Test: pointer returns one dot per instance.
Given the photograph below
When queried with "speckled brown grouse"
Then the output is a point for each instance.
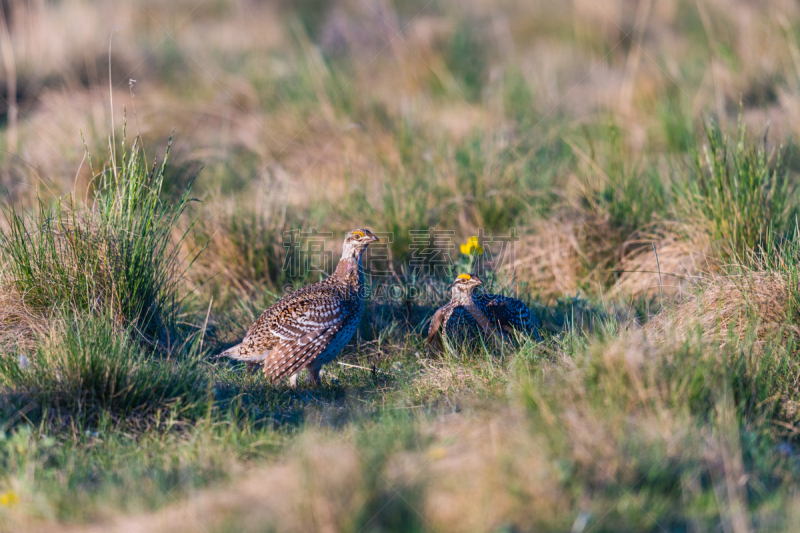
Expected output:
(309, 327)
(468, 317)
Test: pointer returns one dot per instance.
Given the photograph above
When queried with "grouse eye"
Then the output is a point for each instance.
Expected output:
(359, 234)
(463, 277)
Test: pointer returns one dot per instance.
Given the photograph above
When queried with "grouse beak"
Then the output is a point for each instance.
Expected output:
(374, 238)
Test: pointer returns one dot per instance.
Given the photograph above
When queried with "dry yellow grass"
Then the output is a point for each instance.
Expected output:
(758, 303)
(683, 258)
(20, 326)
(552, 257)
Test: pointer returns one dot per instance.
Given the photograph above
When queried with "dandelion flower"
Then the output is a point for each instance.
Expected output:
(471, 246)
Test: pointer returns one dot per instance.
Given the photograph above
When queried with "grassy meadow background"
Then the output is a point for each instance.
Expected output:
(153, 154)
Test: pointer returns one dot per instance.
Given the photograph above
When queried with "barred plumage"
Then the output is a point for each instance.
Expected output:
(309, 327)
(510, 314)
(469, 317)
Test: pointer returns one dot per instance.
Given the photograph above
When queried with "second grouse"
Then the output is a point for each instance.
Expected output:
(469, 316)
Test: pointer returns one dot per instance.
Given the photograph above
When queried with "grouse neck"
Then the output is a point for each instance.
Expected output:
(463, 298)
(350, 270)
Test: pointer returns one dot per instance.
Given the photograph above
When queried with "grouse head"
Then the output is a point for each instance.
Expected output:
(465, 284)
(356, 241)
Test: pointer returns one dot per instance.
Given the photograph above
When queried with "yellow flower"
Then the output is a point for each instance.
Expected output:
(471, 246)
(9, 498)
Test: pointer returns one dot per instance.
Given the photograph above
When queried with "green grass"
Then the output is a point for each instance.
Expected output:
(696, 393)
(116, 255)
(581, 130)
(385, 506)
(628, 191)
(742, 191)
(100, 404)
(92, 371)
(466, 57)
(104, 466)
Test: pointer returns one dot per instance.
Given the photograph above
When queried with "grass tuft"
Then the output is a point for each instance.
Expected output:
(740, 192)
(91, 370)
(116, 257)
